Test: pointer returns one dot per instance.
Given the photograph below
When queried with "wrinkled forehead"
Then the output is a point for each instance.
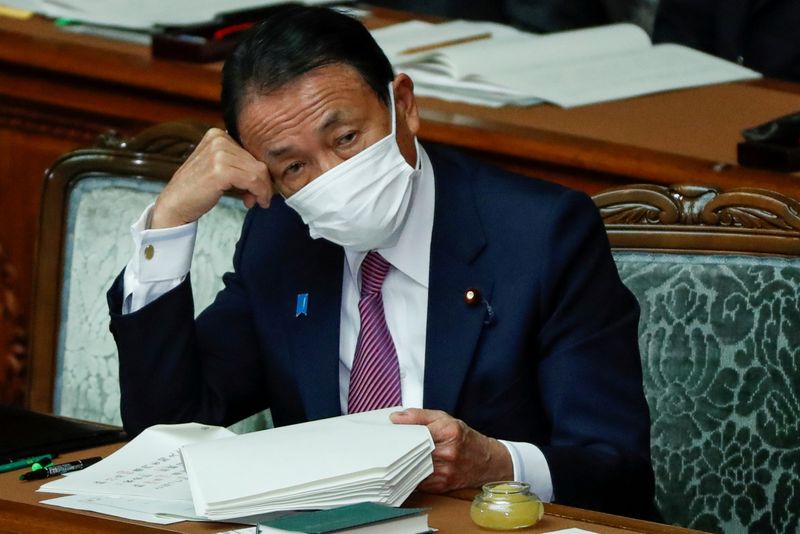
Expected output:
(313, 80)
(307, 105)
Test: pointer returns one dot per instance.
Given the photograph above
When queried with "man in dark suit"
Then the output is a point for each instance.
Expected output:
(486, 303)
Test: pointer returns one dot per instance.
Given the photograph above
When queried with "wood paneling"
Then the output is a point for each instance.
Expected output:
(31, 137)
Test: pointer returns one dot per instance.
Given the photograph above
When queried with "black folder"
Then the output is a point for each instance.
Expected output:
(24, 433)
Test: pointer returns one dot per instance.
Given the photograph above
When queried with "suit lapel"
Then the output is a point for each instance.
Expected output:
(315, 271)
(454, 327)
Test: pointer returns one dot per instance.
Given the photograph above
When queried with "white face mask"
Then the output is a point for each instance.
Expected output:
(362, 203)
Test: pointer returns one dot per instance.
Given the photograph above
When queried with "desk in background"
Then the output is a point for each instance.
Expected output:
(59, 91)
(20, 512)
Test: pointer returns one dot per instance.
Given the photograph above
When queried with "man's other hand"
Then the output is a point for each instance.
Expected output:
(463, 457)
(216, 165)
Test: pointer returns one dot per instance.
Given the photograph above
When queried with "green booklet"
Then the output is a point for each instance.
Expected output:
(362, 518)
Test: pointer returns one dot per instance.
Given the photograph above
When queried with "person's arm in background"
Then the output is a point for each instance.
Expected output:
(760, 35)
(687, 22)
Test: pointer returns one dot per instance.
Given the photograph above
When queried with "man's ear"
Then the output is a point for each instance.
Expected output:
(405, 102)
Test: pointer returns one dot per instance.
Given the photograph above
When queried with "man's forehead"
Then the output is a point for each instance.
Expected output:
(315, 82)
(330, 118)
(335, 86)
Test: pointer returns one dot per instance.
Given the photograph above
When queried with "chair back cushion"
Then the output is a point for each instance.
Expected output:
(720, 346)
(97, 246)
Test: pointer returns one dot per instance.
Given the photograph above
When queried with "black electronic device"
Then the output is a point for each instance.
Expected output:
(26, 433)
(773, 145)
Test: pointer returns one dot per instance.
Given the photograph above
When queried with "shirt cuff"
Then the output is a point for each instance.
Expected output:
(161, 260)
(162, 254)
(530, 466)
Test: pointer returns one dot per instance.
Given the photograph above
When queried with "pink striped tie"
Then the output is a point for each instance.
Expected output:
(375, 376)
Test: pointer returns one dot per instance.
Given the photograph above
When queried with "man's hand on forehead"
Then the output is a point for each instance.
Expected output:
(217, 165)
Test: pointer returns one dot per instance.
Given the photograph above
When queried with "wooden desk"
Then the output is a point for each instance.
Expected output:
(20, 512)
(59, 91)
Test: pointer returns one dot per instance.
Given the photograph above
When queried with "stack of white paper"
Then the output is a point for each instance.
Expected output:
(492, 65)
(320, 464)
(172, 473)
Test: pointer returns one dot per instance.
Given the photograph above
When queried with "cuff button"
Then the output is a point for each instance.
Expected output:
(149, 252)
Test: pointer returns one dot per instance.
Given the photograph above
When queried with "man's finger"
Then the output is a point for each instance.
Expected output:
(442, 426)
(249, 200)
(254, 179)
(416, 416)
(444, 429)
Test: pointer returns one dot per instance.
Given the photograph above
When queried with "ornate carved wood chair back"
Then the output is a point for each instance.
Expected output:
(91, 197)
(717, 276)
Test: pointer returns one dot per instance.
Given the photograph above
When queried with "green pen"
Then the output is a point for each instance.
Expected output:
(25, 462)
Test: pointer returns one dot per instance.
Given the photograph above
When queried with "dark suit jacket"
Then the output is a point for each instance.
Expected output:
(557, 366)
(763, 33)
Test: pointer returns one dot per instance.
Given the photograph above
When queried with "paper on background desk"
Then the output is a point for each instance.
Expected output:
(142, 14)
(394, 40)
(569, 68)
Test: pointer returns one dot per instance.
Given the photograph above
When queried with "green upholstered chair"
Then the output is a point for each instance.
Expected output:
(717, 275)
(91, 198)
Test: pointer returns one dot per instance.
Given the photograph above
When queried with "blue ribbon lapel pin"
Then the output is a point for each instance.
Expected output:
(301, 308)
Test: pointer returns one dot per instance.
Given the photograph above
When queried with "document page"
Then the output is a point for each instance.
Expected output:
(603, 78)
(149, 510)
(520, 52)
(142, 14)
(407, 41)
(149, 466)
(396, 38)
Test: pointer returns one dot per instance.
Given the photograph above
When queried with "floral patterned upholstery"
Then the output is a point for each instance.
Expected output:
(97, 247)
(720, 346)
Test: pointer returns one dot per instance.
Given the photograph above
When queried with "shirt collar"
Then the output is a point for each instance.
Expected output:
(412, 253)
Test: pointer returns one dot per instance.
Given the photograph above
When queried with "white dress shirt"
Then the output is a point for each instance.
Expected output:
(404, 292)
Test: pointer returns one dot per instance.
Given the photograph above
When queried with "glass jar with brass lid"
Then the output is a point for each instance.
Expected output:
(506, 506)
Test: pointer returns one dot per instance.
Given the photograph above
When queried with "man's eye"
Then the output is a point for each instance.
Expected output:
(294, 168)
(346, 139)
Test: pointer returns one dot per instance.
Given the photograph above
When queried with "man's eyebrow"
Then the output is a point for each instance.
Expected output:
(278, 152)
(332, 119)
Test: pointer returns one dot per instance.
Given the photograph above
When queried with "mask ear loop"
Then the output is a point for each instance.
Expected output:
(392, 111)
(394, 126)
